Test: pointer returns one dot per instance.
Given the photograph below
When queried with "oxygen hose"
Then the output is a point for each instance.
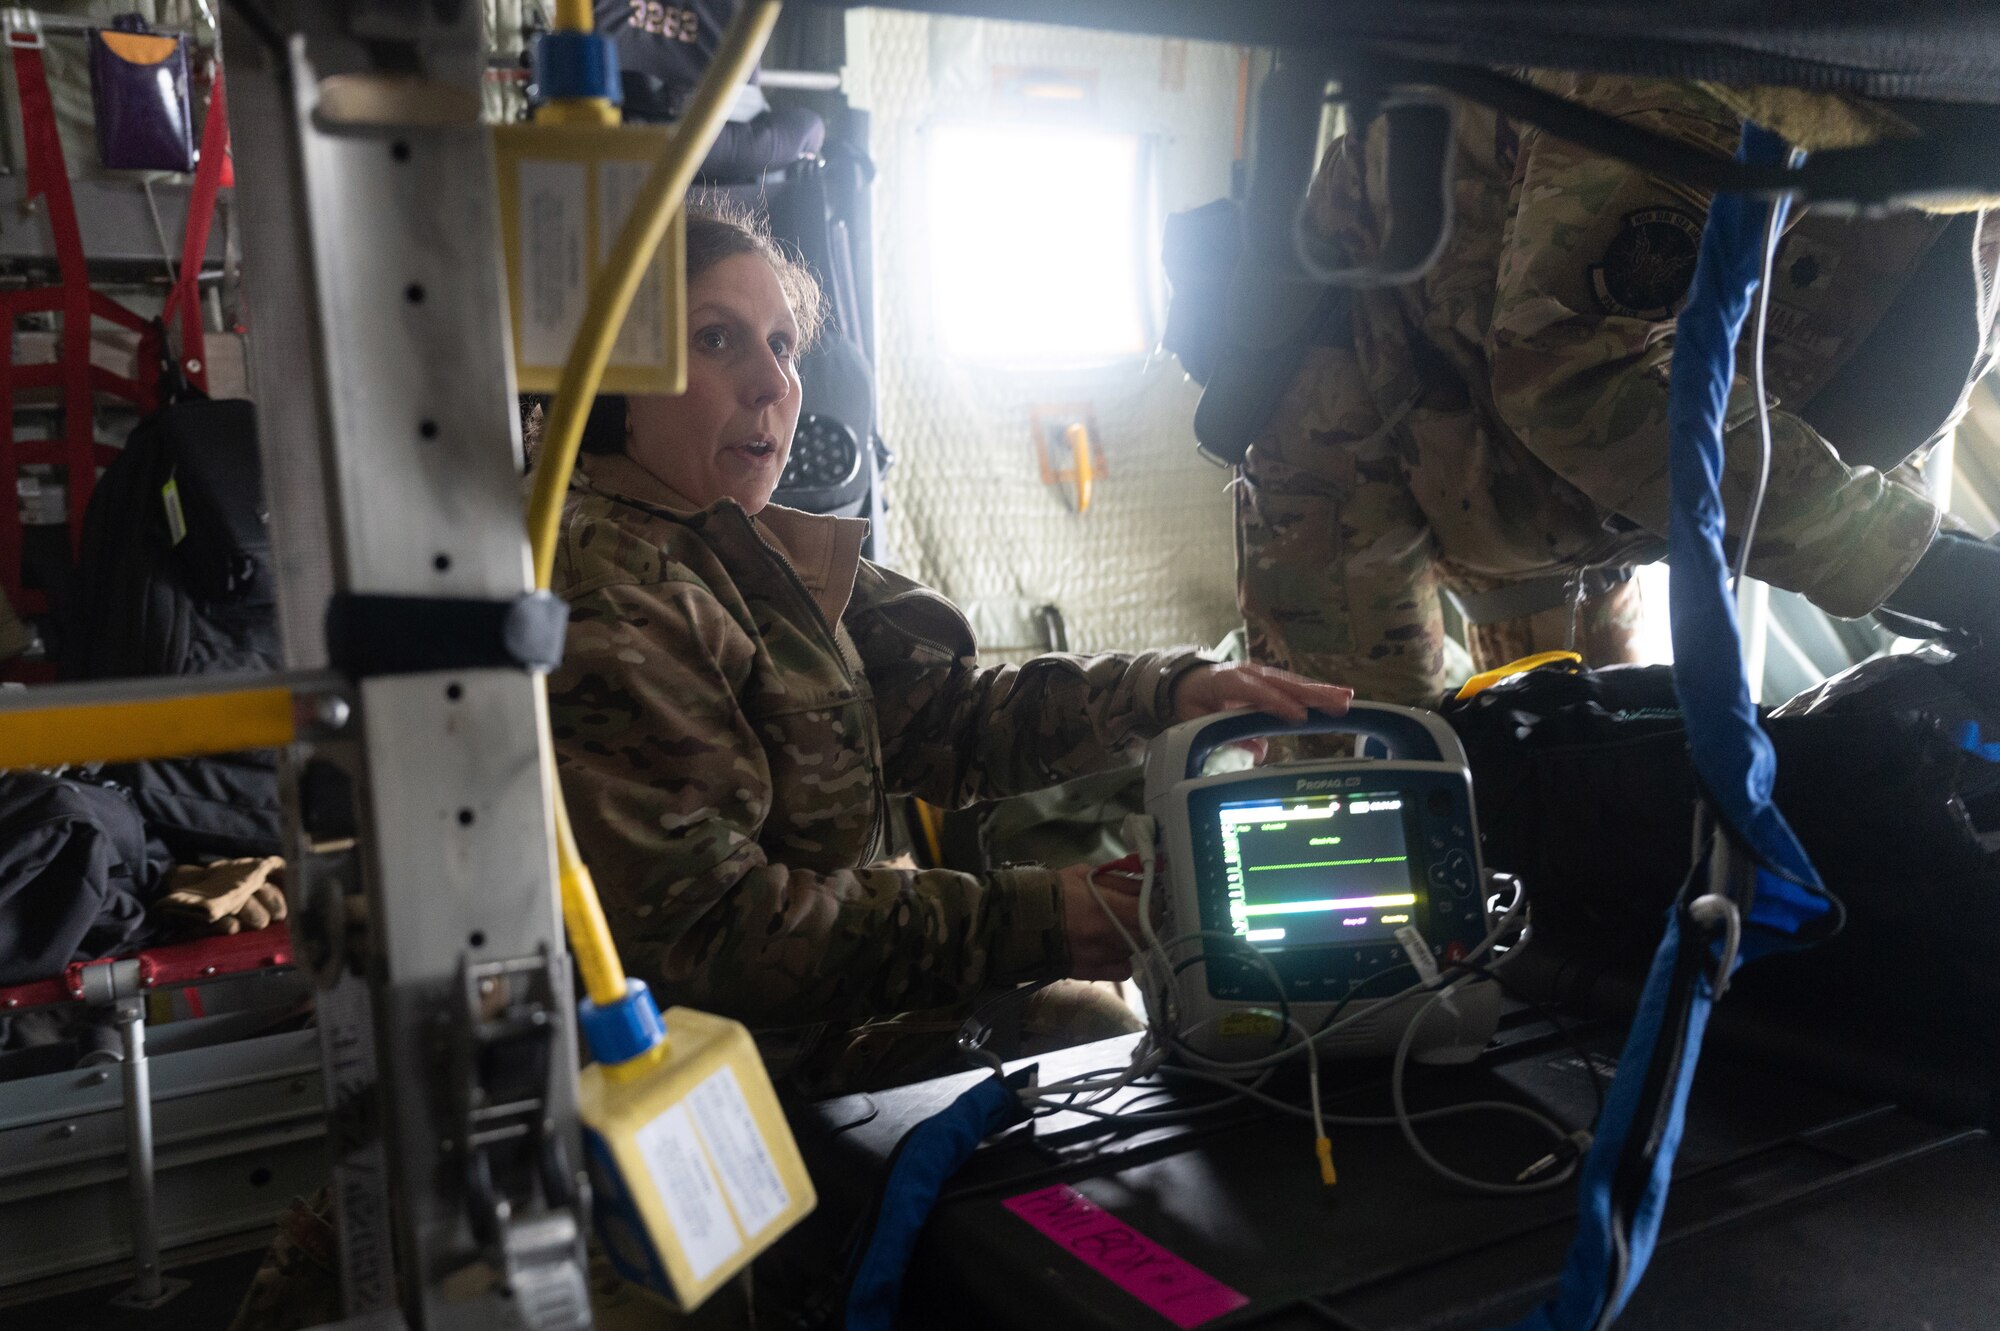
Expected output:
(610, 298)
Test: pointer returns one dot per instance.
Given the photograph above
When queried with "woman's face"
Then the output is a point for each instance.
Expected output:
(730, 433)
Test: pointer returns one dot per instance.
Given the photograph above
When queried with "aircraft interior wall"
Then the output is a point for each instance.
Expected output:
(1151, 561)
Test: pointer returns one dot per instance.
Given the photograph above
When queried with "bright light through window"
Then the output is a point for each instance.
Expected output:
(1653, 644)
(1035, 244)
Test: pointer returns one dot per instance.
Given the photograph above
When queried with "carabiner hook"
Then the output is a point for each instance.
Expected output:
(1708, 911)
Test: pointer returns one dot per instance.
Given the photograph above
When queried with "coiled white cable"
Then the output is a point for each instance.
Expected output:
(1153, 967)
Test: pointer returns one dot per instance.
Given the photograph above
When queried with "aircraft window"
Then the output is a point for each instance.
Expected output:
(1036, 244)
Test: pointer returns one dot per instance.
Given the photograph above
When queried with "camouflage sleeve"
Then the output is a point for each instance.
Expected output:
(1914, 473)
(954, 731)
(668, 788)
(1598, 256)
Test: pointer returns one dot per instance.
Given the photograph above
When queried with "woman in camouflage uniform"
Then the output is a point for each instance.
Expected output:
(742, 691)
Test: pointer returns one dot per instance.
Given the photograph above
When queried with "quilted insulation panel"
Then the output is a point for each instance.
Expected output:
(1151, 562)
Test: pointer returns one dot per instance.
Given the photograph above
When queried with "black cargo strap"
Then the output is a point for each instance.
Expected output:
(405, 635)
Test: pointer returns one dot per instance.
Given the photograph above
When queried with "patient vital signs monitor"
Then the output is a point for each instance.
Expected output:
(1337, 873)
(1282, 857)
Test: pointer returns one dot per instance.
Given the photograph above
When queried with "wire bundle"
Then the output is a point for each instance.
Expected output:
(1163, 1054)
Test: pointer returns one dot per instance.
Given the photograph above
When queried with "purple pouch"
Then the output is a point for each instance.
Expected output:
(139, 84)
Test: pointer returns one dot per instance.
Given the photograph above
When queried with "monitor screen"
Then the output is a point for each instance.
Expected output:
(1318, 869)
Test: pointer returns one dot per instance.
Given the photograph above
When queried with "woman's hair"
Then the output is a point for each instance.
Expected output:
(718, 228)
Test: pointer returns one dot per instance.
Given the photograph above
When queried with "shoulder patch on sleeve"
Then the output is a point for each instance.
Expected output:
(1649, 264)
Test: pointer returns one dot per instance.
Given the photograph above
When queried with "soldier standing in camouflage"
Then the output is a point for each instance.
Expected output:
(1498, 427)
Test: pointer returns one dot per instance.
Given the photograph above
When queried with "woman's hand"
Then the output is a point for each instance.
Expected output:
(1097, 951)
(1222, 688)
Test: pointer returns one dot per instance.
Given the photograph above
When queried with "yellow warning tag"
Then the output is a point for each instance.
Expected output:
(692, 1161)
(565, 192)
(170, 496)
(1251, 1023)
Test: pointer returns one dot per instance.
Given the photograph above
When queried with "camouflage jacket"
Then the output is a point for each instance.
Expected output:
(737, 699)
(1525, 376)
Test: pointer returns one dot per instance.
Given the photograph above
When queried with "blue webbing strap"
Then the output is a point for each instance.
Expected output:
(926, 1158)
(1732, 754)
(1970, 741)
(1624, 1181)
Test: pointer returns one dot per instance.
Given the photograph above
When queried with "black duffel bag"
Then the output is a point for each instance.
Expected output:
(1889, 773)
(175, 577)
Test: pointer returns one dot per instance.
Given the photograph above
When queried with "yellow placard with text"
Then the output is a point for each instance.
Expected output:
(565, 191)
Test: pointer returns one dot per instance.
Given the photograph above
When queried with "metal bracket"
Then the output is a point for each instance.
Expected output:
(523, 1192)
(1286, 261)
(104, 983)
(23, 29)
(1421, 157)
(1724, 905)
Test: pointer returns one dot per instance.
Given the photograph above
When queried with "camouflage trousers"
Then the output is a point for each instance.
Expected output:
(1341, 575)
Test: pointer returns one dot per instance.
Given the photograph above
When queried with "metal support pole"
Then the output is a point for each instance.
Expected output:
(120, 986)
(386, 417)
(146, 1288)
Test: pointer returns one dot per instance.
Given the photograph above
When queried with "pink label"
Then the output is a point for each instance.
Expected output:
(1183, 1294)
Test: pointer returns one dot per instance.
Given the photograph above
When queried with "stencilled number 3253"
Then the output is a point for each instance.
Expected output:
(669, 21)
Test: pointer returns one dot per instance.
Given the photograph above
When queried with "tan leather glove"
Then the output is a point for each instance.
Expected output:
(226, 897)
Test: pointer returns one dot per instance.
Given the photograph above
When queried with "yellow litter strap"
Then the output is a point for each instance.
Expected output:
(659, 198)
(1486, 679)
(54, 732)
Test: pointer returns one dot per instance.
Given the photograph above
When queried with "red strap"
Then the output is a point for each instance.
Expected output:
(47, 171)
(10, 470)
(209, 177)
(48, 177)
(77, 451)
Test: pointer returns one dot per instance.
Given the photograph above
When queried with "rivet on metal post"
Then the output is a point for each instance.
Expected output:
(320, 714)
